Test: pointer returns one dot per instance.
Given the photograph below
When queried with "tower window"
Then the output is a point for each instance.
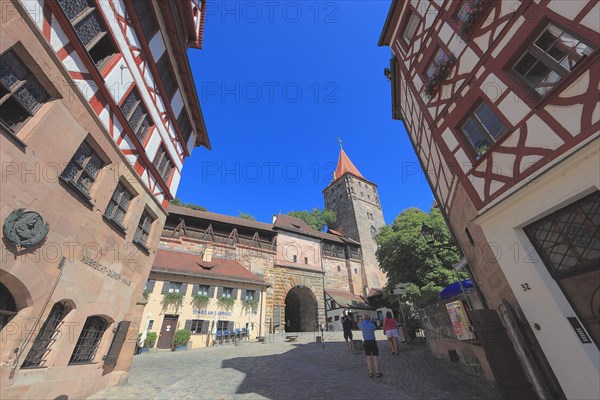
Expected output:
(355, 271)
(295, 258)
(339, 269)
(305, 260)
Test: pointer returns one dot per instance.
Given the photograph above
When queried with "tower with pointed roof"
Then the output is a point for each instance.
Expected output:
(356, 203)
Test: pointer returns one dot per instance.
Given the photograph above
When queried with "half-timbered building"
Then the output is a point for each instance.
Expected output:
(98, 111)
(500, 101)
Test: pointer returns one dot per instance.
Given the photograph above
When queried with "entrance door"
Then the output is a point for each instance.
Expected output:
(167, 332)
(300, 310)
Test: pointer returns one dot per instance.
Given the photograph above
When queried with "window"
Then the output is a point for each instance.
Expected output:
(305, 260)
(411, 28)
(202, 290)
(150, 324)
(184, 125)
(89, 27)
(198, 326)
(355, 271)
(145, 16)
(174, 287)
(336, 318)
(339, 269)
(150, 285)
(45, 337)
(166, 74)
(143, 229)
(250, 295)
(439, 59)
(117, 207)
(163, 164)
(550, 58)
(227, 293)
(369, 196)
(134, 110)
(463, 12)
(88, 341)
(21, 94)
(83, 168)
(483, 128)
(373, 232)
(295, 258)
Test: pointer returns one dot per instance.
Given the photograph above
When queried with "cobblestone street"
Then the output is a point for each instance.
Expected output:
(298, 370)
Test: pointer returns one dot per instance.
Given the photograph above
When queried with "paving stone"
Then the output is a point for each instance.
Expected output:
(300, 370)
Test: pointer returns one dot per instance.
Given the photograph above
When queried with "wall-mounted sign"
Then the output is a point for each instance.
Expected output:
(24, 228)
(213, 313)
(460, 321)
(111, 273)
(581, 333)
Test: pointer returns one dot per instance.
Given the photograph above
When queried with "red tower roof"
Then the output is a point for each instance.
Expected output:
(345, 165)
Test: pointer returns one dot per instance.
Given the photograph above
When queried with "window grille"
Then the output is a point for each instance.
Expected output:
(87, 344)
(550, 58)
(145, 16)
(163, 164)
(20, 92)
(45, 337)
(117, 207)
(143, 229)
(166, 74)
(89, 27)
(137, 115)
(483, 128)
(83, 168)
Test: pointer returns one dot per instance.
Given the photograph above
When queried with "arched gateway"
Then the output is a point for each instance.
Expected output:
(300, 310)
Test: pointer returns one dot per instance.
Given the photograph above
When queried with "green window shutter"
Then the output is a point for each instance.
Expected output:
(166, 286)
(183, 289)
(188, 324)
(211, 291)
(117, 343)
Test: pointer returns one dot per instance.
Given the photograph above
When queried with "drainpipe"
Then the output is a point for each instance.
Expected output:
(261, 313)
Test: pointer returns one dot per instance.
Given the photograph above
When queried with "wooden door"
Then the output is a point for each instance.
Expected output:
(167, 331)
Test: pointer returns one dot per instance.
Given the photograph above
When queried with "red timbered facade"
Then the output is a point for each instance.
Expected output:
(500, 101)
(98, 111)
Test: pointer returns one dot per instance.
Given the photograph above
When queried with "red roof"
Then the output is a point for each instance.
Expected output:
(190, 264)
(344, 166)
(347, 299)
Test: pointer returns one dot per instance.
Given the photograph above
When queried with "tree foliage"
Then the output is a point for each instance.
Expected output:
(317, 218)
(247, 216)
(407, 258)
(180, 203)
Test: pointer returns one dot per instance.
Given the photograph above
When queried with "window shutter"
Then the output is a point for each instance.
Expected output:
(165, 288)
(117, 343)
(211, 291)
(183, 288)
(234, 294)
(150, 285)
(230, 325)
(243, 294)
(195, 289)
(219, 292)
(188, 324)
(205, 326)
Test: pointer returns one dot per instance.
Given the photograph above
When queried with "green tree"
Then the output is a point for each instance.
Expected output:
(246, 216)
(316, 219)
(180, 203)
(406, 257)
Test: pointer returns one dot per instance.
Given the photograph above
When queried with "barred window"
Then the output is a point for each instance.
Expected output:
(143, 229)
(117, 207)
(163, 164)
(45, 337)
(88, 341)
(89, 27)
(21, 94)
(137, 115)
(184, 125)
(550, 58)
(145, 16)
(83, 168)
(166, 74)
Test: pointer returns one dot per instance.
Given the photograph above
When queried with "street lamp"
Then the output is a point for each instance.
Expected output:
(428, 234)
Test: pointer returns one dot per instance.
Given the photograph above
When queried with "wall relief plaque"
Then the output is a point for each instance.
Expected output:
(24, 228)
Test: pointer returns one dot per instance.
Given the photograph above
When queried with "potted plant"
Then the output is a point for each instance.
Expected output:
(146, 294)
(439, 76)
(172, 299)
(473, 10)
(226, 302)
(250, 304)
(200, 301)
(149, 342)
(182, 337)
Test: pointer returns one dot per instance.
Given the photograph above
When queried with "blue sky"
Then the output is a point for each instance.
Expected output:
(278, 83)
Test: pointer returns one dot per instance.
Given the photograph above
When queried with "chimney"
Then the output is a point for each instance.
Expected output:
(208, 252)
(274, 218)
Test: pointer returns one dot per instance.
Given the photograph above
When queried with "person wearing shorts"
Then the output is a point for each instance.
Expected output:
(390, 329)
(370, 345)
(347, 325)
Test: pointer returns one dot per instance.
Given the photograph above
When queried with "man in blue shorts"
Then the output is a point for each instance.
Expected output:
(371, 350)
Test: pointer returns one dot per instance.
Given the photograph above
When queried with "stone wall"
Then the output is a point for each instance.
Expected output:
(336, 273)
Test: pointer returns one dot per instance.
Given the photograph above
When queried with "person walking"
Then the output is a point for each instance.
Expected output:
(390, 329)
(347, 323)
(370, 345)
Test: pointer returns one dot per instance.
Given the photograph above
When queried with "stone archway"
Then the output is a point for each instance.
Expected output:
(8, 306)
(300, 310)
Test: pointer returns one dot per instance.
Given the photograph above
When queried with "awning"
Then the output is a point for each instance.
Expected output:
(454, 288)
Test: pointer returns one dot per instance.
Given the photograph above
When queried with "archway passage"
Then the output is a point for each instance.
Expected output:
(300, 310)
(8, 307)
